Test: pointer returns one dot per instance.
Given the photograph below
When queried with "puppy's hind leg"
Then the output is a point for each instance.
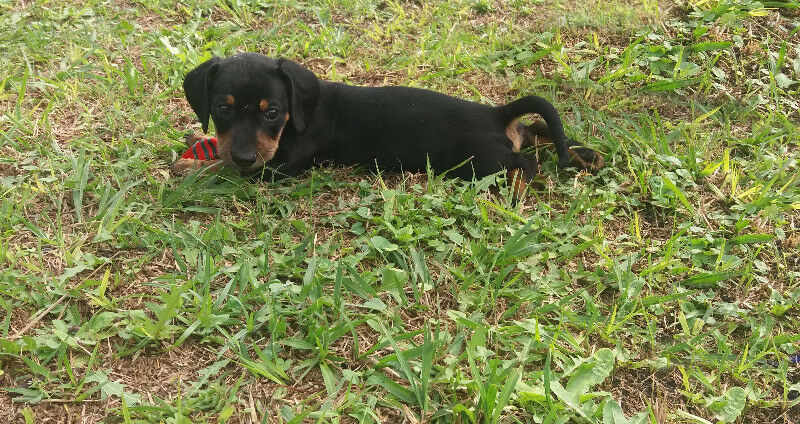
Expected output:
(520, 168)
(521, 174)
(538, 135)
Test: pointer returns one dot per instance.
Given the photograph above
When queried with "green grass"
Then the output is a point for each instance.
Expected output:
(663, 289)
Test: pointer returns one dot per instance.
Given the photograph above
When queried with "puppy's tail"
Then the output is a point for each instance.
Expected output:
(545, 109)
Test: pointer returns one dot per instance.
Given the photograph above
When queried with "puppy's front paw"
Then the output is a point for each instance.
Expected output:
(192, 138)
(185, 166)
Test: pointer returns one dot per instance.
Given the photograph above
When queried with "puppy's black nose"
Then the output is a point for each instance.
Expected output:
(243, 159)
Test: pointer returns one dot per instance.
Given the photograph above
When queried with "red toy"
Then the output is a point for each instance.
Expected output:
(205, 149)
(202, 153)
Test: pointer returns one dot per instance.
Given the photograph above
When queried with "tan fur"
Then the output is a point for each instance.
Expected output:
(230, 100)
(224, 147)
(192, 138)
(263, 105)
(598, 162)
(575, 158)
(515, 132)
(536, 135)
(184, 166)
(266, 146)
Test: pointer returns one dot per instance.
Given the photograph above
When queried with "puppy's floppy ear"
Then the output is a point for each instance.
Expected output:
(197, 87)
(304, 92)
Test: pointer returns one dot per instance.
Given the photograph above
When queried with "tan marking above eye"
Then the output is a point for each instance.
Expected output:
(263, 105)
(230, 100)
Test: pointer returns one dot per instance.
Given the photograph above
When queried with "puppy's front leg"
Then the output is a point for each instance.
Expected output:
(202, 153)
(185, 166)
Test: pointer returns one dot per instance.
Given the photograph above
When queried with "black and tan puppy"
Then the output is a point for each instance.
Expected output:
(277, 114)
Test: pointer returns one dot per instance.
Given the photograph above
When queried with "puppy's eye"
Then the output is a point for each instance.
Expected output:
(271, 114)
(224, 111)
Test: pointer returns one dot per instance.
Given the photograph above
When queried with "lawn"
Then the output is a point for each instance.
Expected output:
(663, 289)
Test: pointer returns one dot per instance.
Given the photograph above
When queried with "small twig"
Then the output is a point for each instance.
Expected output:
(70, 400)
(39, 317)
(253, 415)
(386, 370)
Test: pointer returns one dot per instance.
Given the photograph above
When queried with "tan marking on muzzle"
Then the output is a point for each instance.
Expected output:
(267, 146)
(224, 143)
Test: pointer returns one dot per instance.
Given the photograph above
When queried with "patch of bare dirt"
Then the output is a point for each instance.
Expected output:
(163, 374)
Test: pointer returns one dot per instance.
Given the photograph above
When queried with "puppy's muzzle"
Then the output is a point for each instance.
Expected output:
(243, 160)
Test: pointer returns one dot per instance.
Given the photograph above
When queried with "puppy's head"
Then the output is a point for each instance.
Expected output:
(251, 99)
